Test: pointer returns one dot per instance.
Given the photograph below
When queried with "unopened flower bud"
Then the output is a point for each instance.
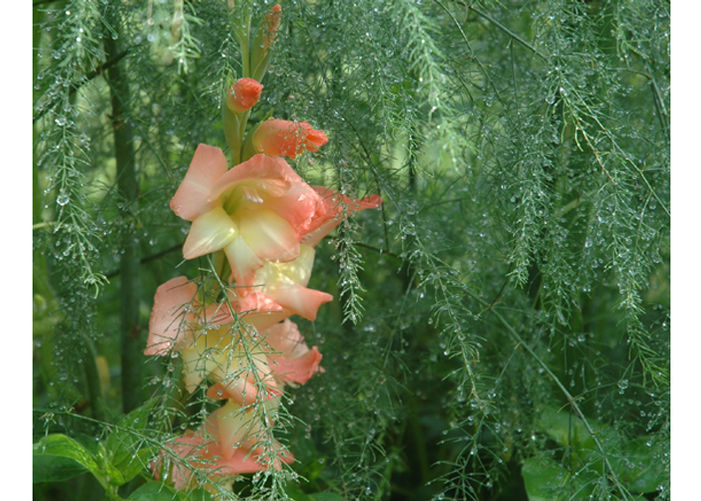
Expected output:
(271, 24)
(243, 95)
(285, 138)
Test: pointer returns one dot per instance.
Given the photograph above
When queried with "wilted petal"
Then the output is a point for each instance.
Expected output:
(210, 232)
(193, 196)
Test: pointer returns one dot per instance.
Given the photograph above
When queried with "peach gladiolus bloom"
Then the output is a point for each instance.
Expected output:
(196, 451)
(224, 446)
(243, 95)
(177, 315)
(284, 138)
(255, 212)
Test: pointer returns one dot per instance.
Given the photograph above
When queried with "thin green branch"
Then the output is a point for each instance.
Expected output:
(508, 32)
(75, 86)
(570, 399)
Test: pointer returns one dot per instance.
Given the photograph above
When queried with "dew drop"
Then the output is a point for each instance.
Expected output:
(622, 386)
(62, 199)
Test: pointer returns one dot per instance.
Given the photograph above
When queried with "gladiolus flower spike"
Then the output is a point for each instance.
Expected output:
(262, 220)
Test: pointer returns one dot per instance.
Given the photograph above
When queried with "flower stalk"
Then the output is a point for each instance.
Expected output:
(257, 222)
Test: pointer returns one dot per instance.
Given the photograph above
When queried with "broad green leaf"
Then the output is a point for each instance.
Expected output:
(153, 491)
(110, 474)
(542, 478)
(546, 479)
(196, 495)
(639, 465)
(47, 468)
(326, 496)
(566, 429)
(124, 449)
(157, 491)
(296, 493)
(64, 446)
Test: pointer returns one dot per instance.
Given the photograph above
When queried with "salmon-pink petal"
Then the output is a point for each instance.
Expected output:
(169, 319)
(187, 448)
(240, 388)
(254, 302)
(243, 260)
(210, 232)
(216, 315)
(331, 217)
(232, 426)
(241, 461)
(300, 300)
(268, 235)
(286, 339)
(193, 195)
(228, 390)
(259, 310)
(299, 206)
(266, 175)
(296, 370)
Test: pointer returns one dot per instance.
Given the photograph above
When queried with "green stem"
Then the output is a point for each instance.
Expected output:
(245, 35)
(131, 343)
(93, 380)
(233, 141)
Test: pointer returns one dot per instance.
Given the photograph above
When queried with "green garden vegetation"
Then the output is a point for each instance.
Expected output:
(500, 323)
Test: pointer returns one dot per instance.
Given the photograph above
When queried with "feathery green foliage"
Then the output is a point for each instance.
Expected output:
(501, 323)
